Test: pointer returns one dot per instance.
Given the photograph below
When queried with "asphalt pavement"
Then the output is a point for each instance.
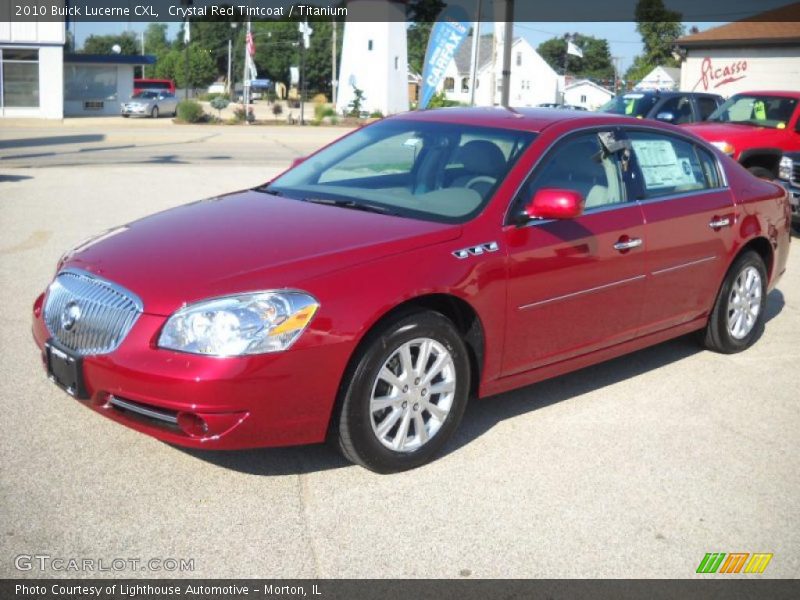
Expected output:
(633, 468)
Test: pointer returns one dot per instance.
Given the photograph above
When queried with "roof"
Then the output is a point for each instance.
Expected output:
(111, 59)
(773, 27)
(673, 72)
(589, 82)
(522, 119)
(463, 57)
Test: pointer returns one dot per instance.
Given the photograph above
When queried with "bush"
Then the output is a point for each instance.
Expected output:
(239, 114)
(208, 97)
(190, 111)
(322, 110)
(320, 99)
(219, 103)
(440, 101)
(376, 114)
(277, 110)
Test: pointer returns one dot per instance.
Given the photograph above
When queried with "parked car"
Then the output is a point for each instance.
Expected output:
(789, 173)
(365, 294)
(671, 107)
(755, 128)
(150, 103)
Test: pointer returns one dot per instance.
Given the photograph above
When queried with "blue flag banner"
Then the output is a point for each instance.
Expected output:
(447, 35)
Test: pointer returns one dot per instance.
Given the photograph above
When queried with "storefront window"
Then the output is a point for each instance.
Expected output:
(90, 82)
(20, 77)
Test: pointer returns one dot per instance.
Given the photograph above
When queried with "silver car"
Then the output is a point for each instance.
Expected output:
(150, 103)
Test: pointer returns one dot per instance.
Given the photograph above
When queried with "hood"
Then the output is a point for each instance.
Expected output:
(729, 132)
(246, 241)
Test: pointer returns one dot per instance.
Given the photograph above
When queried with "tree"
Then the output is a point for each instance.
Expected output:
(595, 64)
(155, 39)
(659, 28)
(202, 70)
(422, 14)
(104, 44)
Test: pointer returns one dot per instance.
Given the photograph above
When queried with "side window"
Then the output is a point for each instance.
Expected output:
(710, 168)
(580, 164)
(706, 106)
(670, 165)
(680, 107)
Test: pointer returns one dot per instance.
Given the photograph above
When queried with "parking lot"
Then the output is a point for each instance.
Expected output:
(633, 468)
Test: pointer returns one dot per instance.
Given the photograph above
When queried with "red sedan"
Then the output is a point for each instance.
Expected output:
(366, 293)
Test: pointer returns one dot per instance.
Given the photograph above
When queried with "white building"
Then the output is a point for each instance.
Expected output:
(587, 94)
(375, 58)
(761, 54)
(666, 79)
(31, 69)
(533, 81)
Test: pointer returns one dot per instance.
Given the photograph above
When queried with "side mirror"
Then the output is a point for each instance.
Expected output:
(297, 161)
(665, 116)
(554, 203)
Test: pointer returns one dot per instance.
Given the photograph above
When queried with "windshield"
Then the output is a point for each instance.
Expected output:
(146, 95)
(632, 105)
(756, 110)
(435, 171)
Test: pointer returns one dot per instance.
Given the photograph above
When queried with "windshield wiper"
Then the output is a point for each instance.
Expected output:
(351, 204)
(265, 189)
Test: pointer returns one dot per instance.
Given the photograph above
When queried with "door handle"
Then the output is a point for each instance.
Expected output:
(628, 244)
(719, 223)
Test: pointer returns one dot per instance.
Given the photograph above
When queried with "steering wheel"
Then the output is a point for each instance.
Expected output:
(481, 179)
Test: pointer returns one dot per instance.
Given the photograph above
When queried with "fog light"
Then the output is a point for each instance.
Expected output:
(192, 424)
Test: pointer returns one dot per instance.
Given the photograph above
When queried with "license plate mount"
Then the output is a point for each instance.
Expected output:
(65, 369)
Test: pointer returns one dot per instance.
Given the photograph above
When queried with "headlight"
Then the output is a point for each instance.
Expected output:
(725, 147)
(237, 325)
(785, 168)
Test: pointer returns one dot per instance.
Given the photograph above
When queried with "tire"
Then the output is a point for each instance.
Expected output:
(379, 437)
(125, 116)
(762, 173)
(154, 112)
(739, 296)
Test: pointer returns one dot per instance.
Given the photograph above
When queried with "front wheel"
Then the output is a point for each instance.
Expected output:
(738, 315)
(405, 394)
(154, 112)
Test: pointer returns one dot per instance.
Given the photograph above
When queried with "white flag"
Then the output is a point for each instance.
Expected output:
(252, 73)
(574, 50)
(306, 31)
(187, 33)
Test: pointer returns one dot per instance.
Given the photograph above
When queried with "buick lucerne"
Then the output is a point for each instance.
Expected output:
(364, 295)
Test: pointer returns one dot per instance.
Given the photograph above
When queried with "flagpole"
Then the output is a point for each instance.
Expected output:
(246, 75)
(476, 38)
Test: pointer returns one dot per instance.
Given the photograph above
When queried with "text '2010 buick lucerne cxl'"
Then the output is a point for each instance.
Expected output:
(364, 295)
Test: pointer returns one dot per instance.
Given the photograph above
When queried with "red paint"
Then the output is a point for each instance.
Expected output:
(361, 265)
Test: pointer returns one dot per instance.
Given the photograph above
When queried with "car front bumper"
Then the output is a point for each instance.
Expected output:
(794, 200)
(278, 399)
(135, 110)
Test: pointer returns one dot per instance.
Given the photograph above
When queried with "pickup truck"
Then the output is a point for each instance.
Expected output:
(756, 129)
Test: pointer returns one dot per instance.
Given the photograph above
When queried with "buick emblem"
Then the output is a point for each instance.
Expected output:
(70, 316)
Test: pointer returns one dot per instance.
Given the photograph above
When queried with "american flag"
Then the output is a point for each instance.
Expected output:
(251, 45)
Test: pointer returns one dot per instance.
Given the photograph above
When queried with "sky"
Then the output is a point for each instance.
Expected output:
(623, 39)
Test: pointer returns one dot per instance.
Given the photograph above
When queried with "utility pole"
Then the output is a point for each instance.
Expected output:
(246, 76)
(228, 79)
(334, 82)
(141, 37)
(476, 38)
(616, 60)
(508, 40)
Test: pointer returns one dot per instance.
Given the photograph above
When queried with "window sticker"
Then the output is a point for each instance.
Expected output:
(660, 165)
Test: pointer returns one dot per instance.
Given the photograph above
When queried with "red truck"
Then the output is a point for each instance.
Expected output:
(756, 129)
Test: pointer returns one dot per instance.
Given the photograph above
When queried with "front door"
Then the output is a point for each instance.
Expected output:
(575, 285)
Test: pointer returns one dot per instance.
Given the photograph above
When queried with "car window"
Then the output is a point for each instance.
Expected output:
(633, 104)
(680, 107)
(423, 169)
(706, 106)
(671, 166)
(580, 164)
(757, 110)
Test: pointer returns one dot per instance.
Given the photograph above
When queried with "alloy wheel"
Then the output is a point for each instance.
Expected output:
(744, 302)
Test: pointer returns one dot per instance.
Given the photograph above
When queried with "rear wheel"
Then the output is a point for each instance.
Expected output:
(154, 112)
(405, 394)
(738, 315)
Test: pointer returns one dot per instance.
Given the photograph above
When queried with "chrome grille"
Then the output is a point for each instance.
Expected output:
(88, 314)
(796, 172)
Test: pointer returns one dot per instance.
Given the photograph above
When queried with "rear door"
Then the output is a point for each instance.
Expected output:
(690, 219)
(575, 285)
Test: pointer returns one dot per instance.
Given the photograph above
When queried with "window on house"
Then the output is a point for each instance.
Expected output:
(369, 45)
(583, 99)
(519, 59)
(396, 63)
(19, 84)
(449, 84)
(465, 84)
